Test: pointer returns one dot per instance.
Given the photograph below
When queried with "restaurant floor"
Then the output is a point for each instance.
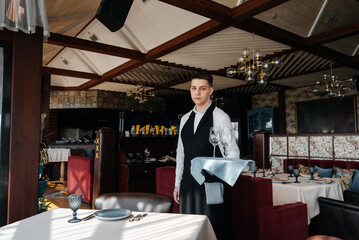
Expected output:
(56, 194)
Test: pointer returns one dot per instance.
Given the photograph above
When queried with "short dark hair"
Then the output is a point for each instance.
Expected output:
(205, 76)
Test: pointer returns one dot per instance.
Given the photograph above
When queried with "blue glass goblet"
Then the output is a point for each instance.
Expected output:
(75, 201)
(311, 172)
(296, 173)
(255, 169)
(290, 170)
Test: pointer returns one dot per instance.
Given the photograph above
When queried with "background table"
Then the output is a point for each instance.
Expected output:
(59, 155)
(53, 225)
(306, 192)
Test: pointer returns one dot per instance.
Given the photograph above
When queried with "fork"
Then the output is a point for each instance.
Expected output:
(135, 218)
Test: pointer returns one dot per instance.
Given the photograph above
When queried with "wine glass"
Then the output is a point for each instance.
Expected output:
(213, 139)
(311, 172)
(290, 170)
(296, 173)
(255, 169)
(147, 153)
(75, 201)
(226, 140)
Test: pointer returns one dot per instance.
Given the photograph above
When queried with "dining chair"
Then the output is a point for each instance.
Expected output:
(338, 218)
(135, 201)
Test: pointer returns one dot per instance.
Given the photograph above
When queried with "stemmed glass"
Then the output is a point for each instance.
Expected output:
(75, 201)
(296, 173)
(147, 153)
(311, 172)
(255, 169)
(226, 140)
(290, 170)
(213, 139)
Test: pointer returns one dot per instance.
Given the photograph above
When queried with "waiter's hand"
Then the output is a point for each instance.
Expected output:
(176, 194)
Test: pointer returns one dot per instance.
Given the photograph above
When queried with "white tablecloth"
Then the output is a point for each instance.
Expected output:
(306, 192)
(53, 224)
(58, 154)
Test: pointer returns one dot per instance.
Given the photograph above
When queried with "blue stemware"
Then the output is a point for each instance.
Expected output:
(75, 201)
(311, 171)
(296, 173)
(255, 169)
(290, 170)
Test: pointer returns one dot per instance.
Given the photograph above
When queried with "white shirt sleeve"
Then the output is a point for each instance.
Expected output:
(180, 152)
(223, 122)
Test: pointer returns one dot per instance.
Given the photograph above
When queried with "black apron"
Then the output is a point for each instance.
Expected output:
(192, 195)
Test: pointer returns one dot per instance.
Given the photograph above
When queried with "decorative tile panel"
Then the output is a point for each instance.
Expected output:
(346, 146)
(321, 146)
(277, 163)
(103, 99)
(278, 145)
(298, 146)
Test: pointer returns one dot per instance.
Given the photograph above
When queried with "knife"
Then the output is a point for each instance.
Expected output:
(88, 217)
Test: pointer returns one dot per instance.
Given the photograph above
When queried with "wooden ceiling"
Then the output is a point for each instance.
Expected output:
(164, 43)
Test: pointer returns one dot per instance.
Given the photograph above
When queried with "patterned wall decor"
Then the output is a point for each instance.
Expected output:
(265, 100)
(278, 146)
(298, 146)
(313, 146)
(291, 98)
(103, 99)
(321, 146)
(346, 146)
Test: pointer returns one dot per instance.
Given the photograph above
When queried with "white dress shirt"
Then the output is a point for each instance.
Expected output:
(221, 121)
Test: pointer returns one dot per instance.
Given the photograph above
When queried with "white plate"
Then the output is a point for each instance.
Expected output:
(112, 214)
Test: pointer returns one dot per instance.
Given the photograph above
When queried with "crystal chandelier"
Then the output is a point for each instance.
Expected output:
(255, 69)
(331, 85)
(141, 94)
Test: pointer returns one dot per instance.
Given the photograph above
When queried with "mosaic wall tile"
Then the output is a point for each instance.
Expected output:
(277, 163)
(265, 100)
(346, 146)
(321, 146)
(278, 145)
(298, 146)
(103, 99)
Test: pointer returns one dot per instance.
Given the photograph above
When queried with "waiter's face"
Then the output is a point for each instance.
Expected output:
(200, 91)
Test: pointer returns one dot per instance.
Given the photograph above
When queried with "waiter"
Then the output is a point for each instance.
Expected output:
(194, 142)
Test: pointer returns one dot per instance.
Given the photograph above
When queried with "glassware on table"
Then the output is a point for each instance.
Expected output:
(311, 172)
(255, 169)
(296, 173)
(75, 201)
(213, 139)
(290, 170)
(226, 139)
(147, 153)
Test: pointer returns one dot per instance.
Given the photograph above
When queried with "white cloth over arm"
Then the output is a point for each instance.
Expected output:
(228, 170)
(222, 122)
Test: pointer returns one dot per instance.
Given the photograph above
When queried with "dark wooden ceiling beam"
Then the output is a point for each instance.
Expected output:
(333, 35)
(70, 73)
(82, 44)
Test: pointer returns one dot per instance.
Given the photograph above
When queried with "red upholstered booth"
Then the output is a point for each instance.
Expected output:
(80, 172)
(254, 216)
(165, 182)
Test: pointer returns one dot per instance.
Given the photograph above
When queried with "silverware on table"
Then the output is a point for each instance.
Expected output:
(88, 217)
(134, 217)
(141, 216)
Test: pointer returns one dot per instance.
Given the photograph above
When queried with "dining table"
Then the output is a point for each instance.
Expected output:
(53, 224)
(306, 191)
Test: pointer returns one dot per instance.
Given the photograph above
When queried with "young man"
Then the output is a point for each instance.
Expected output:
(194, 142)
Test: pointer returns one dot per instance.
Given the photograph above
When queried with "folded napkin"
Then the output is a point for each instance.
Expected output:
(214, 192)
(228, 170)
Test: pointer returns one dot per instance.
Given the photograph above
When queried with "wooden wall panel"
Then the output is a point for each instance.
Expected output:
(24, 125)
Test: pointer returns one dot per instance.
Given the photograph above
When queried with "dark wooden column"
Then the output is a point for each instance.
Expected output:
(281, 112)
(261, 149)
(105, 168)
(24, 123)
